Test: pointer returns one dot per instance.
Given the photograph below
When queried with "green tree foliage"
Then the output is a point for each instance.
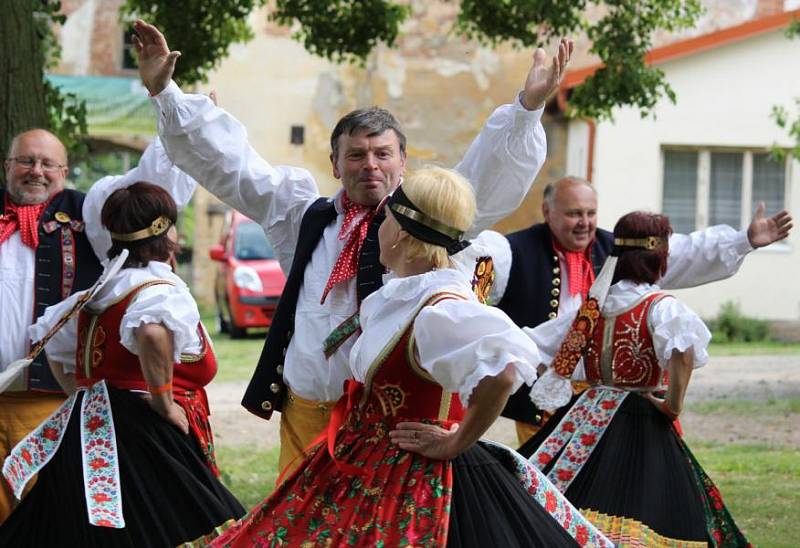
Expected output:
(341, 30)
(782, 116)
(348, 30)
(29, 47)
(621, 34)
(201, 30)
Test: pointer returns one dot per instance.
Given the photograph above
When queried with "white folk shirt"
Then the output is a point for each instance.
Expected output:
(694, 259)
(18, 261)
(212, 146)
(459, 341)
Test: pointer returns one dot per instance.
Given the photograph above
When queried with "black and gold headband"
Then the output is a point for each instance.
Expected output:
(422, 226)
(649, 243)
(156, 228)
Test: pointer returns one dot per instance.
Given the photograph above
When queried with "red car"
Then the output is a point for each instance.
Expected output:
(249, 280)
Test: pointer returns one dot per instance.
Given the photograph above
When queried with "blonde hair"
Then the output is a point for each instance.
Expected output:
(446, 196)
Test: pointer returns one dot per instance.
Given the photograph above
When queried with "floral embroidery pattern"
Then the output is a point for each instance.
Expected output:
(483, 278)
(556, 504)
(35, 451)
(568, 355)
(195, 404)
(100, 462)
(576, 436)
(403, 499)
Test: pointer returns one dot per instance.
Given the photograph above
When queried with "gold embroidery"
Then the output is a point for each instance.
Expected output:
(444, 405)
(391, 398)
(384, 353)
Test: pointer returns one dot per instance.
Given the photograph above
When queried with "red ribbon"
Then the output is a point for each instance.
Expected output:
(352, 394)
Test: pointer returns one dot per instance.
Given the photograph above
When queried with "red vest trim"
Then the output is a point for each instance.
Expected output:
(388, 381)
(100, 354)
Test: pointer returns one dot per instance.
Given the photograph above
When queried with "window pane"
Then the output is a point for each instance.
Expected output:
(251, 242)
(768, 183)
(725, 201)
(680, 189)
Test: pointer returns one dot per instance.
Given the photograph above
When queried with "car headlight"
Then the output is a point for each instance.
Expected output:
(247, 278)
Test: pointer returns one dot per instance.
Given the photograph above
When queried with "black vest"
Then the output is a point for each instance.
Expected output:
(267, 391)
(533, 290)
(65, 263)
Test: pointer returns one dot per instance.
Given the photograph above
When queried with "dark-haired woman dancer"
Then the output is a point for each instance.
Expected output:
(613, 451)
(126, 461)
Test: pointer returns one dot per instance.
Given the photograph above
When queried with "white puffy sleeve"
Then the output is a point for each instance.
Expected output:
(212, 146)
(704, 256)
(676, 327)
(62, 346)
(169, 305)
(549, 335)
(461, 342)
(487, 244)
(503, 160)
(154, 167)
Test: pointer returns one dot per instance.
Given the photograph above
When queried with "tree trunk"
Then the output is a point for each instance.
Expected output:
(22, 104)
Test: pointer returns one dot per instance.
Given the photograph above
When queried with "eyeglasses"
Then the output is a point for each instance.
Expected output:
(28, 162)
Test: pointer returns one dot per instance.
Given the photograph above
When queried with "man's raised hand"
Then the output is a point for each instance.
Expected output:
(543, 81)
(156, 61)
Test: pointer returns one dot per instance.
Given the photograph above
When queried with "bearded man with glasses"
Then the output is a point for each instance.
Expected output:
(51, 245)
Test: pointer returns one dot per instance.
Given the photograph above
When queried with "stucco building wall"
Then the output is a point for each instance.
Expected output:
(725, 96)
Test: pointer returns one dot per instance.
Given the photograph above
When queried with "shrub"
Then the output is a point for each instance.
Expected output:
(731, 326)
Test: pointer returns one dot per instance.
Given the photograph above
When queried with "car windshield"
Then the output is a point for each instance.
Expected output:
(251, 242)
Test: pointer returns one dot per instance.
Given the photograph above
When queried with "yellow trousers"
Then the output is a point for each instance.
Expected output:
(20, 413)
(302, 421)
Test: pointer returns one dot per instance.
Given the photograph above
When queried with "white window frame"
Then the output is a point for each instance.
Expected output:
(703, 196)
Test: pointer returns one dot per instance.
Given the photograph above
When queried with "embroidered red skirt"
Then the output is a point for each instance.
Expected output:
(399, 498)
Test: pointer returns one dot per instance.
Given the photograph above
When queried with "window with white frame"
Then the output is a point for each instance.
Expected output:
(704, 186)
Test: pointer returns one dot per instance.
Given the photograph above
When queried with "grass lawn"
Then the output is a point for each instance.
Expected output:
(236, 358)
(753, 348)
(761, 487)
(746, 407)
(250, 474)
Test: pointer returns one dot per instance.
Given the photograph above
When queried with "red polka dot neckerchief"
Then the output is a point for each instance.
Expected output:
(24, 218)
(580, 271)
(357, 218)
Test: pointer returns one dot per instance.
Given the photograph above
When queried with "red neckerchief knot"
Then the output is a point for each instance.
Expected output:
(22, 217)
(580, 271)
(354, 229)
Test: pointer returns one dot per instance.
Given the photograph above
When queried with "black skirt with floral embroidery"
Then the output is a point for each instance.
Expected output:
(642, 483)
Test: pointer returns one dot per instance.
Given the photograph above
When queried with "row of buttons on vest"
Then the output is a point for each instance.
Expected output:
(555, 292)
(275, 387)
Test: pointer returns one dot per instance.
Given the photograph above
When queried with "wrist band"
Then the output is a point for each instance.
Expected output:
(166, 387)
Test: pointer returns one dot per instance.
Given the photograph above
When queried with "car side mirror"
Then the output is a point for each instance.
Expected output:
(217, 252)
